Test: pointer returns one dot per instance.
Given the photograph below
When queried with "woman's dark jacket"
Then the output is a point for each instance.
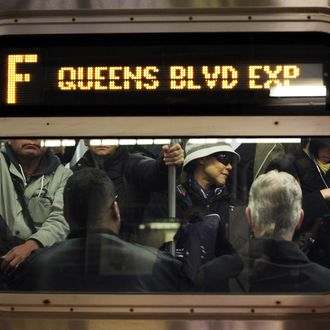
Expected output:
(311, 183)
(192, 203)
(203, 233)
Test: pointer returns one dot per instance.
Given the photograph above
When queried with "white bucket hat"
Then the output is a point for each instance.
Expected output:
(198, 148)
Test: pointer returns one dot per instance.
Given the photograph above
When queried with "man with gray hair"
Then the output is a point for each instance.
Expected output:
(274, 209)
(272, 262)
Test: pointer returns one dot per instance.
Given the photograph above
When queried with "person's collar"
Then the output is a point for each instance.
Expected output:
(48, 162)
(80, 233)
(209, 194)
(275, 250)
(109, 160)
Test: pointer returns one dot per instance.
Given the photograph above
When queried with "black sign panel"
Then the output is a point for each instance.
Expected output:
(127, 71)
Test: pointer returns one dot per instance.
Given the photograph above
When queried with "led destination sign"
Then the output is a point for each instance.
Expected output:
(65, 80)
(45, 78)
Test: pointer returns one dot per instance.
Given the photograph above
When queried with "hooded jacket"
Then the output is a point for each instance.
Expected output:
(43, 193)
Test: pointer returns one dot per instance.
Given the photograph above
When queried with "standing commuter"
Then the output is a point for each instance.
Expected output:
(272, 261)
(203, 204)
(134, 176)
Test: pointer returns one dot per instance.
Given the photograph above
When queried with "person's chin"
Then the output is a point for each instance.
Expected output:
(102, 153)
(221, 183)
(32, 155)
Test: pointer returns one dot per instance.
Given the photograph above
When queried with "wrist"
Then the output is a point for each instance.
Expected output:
(32, 244)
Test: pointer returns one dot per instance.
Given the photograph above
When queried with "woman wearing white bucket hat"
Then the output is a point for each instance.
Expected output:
(209, 163)
(203, 203)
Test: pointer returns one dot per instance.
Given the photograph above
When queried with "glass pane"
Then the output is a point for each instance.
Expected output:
(215, 215)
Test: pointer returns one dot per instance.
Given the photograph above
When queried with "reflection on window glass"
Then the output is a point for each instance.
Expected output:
(92, 215)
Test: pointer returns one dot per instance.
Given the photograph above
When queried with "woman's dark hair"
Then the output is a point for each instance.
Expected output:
(191, 167)
(284, 163)
(316, 144)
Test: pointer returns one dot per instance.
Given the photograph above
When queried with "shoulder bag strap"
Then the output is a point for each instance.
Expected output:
(20, 196)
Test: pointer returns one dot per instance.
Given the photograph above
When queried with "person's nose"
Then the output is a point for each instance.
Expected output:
(229, 167)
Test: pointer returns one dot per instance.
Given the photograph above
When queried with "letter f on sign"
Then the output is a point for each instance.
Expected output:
(14, 77)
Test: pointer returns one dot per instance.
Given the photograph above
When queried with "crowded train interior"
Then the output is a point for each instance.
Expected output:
(174, 208)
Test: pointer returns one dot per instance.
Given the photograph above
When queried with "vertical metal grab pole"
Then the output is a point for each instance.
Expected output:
(172, 188)
(172, 196)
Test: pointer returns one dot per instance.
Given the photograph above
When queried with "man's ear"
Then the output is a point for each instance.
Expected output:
(301, 219)
(115, 212)
(86, 142)
(248, 217)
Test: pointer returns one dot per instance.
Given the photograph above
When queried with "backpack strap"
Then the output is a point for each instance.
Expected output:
(20, 196)
(183, 194)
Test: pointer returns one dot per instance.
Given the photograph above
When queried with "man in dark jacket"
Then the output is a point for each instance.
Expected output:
(134, 176)
(94, 258)
(272, 261)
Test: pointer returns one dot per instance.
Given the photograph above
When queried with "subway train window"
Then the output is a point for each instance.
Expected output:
(162, 215)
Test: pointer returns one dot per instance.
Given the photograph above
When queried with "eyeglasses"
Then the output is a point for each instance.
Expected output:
(224, 158)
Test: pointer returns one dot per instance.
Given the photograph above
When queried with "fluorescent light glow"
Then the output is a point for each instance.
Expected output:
(268, 140)
(207, 140)
(197, 141)
(298, 91)
(109, 142)
(103, 142)
(95, 142)
(68, 143)
(162, 141)
(52, 143)
(127, 142)
(144, 141)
